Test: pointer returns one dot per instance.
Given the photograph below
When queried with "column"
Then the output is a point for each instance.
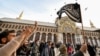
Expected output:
(34, 36)
(79, 39)
(93, 41)
(52, 38)
(60, 37)
(76, 39)
(98, 42)
(40, 37)
(46, 38)
(72, 39)
(66, 38)
(89, 41)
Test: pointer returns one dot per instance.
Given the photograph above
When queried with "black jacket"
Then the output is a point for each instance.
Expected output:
(79, 53)
(91, 51)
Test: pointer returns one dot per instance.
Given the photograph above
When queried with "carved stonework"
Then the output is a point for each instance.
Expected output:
(65, 25)
(78, 31)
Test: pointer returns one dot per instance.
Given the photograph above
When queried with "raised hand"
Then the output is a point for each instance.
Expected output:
(35, 25)
(26, 32)
(83, 47)
(29, 31)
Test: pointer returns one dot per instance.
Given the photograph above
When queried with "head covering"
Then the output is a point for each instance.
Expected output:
(63, 49)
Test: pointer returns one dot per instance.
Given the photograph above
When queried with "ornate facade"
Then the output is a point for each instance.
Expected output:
(64, 30)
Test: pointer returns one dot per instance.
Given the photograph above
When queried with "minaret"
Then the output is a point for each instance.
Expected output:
(20, 16)
(91, 24)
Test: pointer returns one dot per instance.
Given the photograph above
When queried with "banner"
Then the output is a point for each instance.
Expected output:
(73, 12)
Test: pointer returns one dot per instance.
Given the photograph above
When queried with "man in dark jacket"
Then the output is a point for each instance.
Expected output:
(41, 47)
(35, 48)
(24, 50)
(81, 51)
(91, 50)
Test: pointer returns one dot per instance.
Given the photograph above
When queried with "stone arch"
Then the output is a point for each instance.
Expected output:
(64, 38)
(69, 38)
(55, 38)
(37, 36)
(49, 37)
(73, 38)
(43, 38)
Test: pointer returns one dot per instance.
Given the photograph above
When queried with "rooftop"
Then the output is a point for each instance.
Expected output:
(89, 28)
(26, 21)
(41, 23)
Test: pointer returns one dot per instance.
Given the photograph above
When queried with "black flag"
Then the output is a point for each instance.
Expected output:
(72, 10)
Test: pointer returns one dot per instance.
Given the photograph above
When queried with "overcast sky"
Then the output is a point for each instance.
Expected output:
(45, 10)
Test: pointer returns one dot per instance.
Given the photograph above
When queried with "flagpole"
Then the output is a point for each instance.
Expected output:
(82, 27)
(83, 32)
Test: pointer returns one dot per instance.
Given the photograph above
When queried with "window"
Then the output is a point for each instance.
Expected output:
(37, 36)
(6, 25)
(19, 27)
(56, 30)
(22, 27)
(43, 37)
(16, 26)
(3, 25)
(0, 29)
(49, 37)
(9, 26)
(48, 30)
(40, 29)
(13, 26)
(51, 30)
(0, 24)
(45, 29)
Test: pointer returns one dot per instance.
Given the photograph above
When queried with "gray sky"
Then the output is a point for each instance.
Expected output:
(45, 10)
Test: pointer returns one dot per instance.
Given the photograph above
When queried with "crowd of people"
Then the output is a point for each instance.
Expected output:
(12, 45)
